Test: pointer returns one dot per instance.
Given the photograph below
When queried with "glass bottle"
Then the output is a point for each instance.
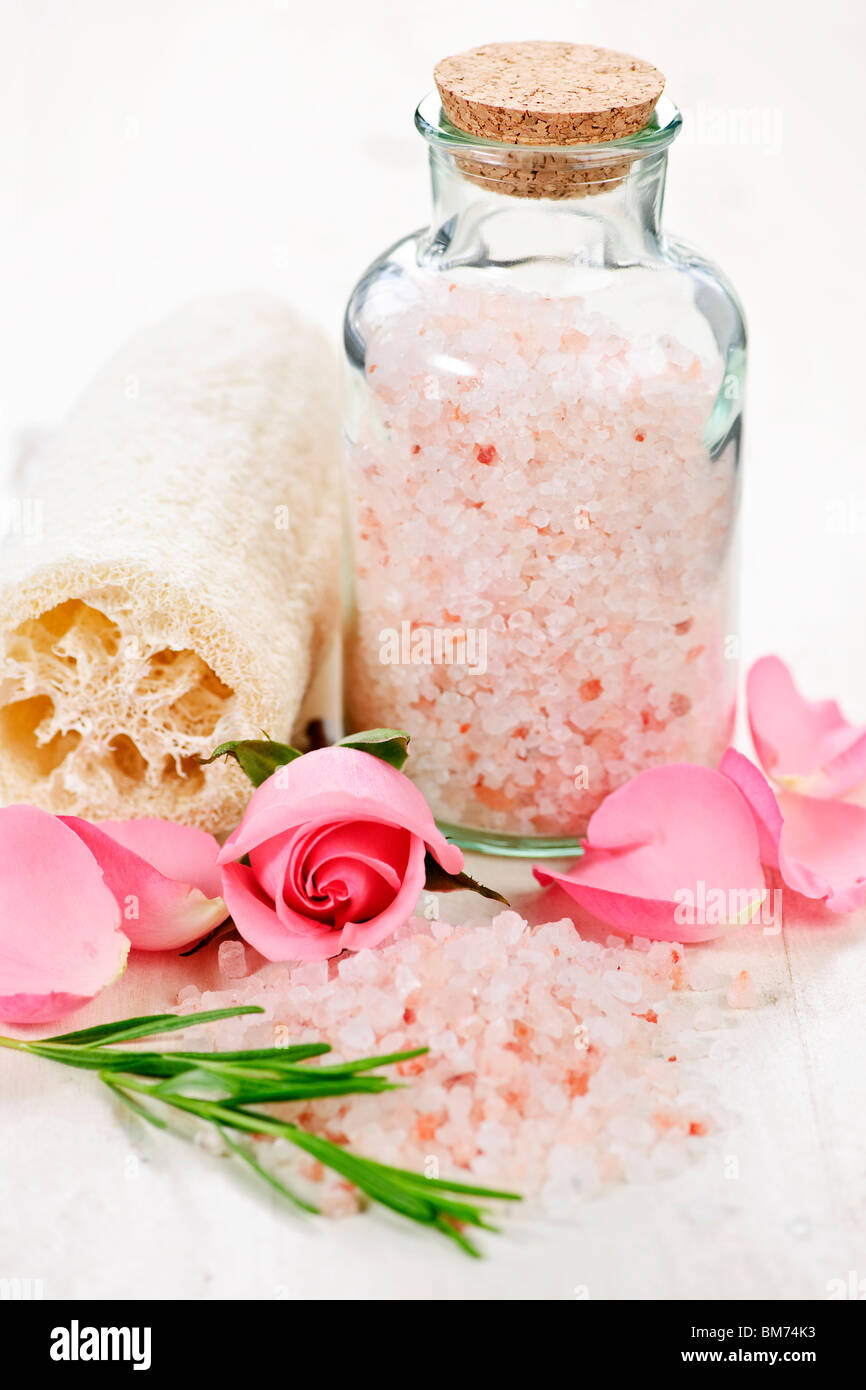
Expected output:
(542, 446)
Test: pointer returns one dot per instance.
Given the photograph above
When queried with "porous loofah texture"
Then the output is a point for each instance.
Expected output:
(186, 579)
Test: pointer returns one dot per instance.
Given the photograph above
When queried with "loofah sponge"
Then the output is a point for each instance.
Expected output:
(185, 584)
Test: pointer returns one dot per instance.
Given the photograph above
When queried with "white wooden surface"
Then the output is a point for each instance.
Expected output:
(157, 153)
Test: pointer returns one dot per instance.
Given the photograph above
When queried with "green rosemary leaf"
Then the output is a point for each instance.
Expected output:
(238, 1073)
(271, 1067)
(277, 1057)
(444, 1225)
(275, 1093)
(391, 1195)
(177, 1083)
(148, 1063)
(367, 1063)
(140, 1110)
(300, 1078)
(458, 1211)
(102, 1059)
(445, 1185)
(283, 1061)
(149, 1024)
(263, 1173)
(243, 1092)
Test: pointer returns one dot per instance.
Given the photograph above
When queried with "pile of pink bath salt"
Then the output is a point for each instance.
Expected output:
(542, 555)
(555, 1063)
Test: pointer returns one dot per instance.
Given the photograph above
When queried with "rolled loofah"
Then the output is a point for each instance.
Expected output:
(184, 586)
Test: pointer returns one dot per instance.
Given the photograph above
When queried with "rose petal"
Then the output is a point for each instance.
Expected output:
(352, 890)
(333, 786)
(762, 800)
(60, 937)
(822, 849)
(255, 918)
(817, 843)
(807, 744)
(362, 864)
(382, 849)
(159, 914)
(181, 852)
(284, 865)
(358, 936)
(671, 836)
(278, 867)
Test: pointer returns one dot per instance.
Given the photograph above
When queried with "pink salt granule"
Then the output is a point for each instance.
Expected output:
(527, 475)
(556, 1064)
(232, 958)
(741, 993)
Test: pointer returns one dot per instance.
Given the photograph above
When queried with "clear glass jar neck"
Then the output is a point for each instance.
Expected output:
(610, 221)
(590, 204)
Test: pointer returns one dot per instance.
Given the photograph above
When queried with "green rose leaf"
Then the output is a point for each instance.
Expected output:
(259, 758)
(391, 745)
(438, 881)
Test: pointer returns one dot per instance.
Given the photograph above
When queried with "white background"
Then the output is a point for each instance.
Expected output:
(150, 151)
(153, 150)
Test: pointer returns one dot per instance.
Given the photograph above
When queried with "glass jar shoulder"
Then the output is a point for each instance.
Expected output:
(715, 303)
(391, 286)
(712, 292)
(665, 320)
(670, 289)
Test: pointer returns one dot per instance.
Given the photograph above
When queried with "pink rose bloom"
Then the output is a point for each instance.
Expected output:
(336, 843)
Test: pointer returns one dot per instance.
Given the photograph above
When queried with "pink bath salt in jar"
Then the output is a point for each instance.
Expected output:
(542, 446)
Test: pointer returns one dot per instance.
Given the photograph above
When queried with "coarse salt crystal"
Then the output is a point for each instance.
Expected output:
(623, 986)
(233, 960)
(357, 1035)
(741, 993)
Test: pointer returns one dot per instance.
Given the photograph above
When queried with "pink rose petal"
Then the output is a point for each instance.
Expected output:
(671, 837)
(361, 866)
(807, 744)
(333, 786)
(159, 913)
(181, 852)
(60, 937)
(817, 843)
(360, 935)
(822, 850)
(762, 800)
(258, 923)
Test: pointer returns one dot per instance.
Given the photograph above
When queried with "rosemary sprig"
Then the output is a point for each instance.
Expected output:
(236, 1082)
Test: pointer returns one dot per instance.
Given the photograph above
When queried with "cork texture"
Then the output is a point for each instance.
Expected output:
(547, 93)
(531, 174)
(537, 94)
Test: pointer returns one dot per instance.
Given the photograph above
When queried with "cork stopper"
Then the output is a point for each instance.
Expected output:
(541, 94)
(547, 93)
